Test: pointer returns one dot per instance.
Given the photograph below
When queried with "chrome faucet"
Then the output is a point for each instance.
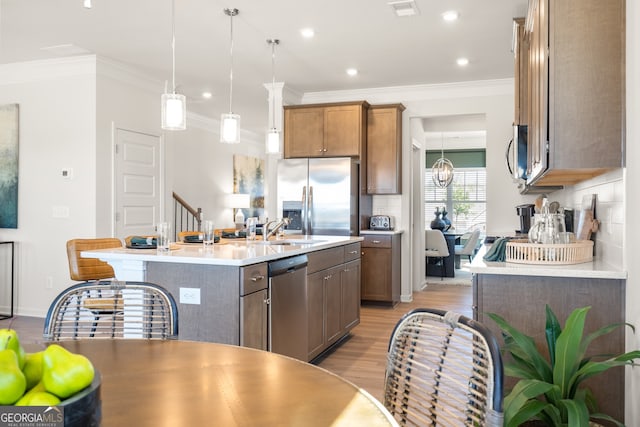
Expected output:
(266, 233)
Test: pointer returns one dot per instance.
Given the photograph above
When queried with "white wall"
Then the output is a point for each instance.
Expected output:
(632, 200)
(125, 99)
(200, 168)
(57, 130)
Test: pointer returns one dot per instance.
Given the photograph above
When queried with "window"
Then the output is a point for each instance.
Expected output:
(465, 199)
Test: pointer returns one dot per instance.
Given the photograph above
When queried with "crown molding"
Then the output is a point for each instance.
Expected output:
(47, 69)
(123, 73)
(415, 92)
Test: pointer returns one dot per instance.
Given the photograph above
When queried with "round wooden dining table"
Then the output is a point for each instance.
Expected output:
(188, 383)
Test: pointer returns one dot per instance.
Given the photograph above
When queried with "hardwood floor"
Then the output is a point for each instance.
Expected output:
(361, 358)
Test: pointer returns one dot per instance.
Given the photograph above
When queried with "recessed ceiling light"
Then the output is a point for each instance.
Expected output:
(352, 71)
(462, 62)
(307, 33)
(207, 95)
(450, 15)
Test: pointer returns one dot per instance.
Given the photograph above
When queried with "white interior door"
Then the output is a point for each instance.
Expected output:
(138, 193)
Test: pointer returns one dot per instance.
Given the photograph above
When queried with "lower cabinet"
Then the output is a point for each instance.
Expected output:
(333, 297)
(521, 300)
(254, 306)
(381, 268)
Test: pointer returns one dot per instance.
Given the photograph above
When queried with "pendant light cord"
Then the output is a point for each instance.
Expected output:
(173, 45)
(273, 42)
(232, 12)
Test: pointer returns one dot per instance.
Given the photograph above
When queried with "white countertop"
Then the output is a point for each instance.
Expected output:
(228, 252)
(381, 231)
(593, 269)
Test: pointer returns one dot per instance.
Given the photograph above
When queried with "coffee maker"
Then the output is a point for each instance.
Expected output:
(525, 212)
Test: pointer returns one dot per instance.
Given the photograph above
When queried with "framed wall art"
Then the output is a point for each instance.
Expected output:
(9, 138)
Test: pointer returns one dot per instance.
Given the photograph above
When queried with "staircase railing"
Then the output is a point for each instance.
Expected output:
(185, 217)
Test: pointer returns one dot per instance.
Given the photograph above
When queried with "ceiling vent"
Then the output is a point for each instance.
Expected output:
(404, 7)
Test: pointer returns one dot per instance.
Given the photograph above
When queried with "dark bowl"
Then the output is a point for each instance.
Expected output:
(84, 409)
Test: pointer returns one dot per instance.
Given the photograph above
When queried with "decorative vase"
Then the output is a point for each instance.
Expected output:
(447, 221)
(438, 223)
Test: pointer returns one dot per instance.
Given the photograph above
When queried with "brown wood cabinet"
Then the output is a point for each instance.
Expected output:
(575, 90)
(521, 71)
(325, 130)
(521, 301)
(333, 296)
(384, 149)
(254, 309)
(381, 268)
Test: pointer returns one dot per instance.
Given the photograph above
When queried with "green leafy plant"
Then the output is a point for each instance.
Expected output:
(550, 389)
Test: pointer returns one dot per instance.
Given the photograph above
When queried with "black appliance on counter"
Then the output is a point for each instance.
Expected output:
(525, 212)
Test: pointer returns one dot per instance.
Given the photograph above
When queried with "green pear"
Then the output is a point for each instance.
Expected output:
(26, 398)
(65, 373)
(9, 339)
(38, 396)
(12, 380)
(32, 368)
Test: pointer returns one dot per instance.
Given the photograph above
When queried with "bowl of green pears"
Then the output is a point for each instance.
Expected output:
(53, 377)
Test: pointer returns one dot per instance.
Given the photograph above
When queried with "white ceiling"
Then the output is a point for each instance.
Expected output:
(365, 34)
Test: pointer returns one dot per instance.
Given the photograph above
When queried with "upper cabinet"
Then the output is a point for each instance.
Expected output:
(327, 130)
(384, 149)
(575, 91)
(520, 72)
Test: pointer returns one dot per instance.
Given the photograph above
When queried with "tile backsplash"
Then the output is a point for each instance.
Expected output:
(609, 190)
(387, 205)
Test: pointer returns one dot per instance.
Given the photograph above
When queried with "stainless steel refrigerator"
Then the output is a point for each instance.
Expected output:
(320, 196)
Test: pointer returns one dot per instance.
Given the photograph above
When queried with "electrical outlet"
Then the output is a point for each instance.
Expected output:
(48, 282)
(189, 296)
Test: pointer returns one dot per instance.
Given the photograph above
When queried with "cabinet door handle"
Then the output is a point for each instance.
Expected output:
(376, 241)
(353, 252)
(267, 301)
(321, 150)
(257, 278)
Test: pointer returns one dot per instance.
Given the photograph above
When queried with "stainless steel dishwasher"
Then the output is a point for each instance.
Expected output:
(288, 308)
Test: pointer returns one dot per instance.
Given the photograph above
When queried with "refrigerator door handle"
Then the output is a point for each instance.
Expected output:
(304, 212)
(310, 211)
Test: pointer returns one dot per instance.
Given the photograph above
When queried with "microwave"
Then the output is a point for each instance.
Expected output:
(516, 159)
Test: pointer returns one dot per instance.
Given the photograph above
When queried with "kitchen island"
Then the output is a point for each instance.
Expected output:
(223, 291)
(519, 293)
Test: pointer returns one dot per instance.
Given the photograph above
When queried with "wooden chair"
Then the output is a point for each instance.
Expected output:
(436, 247)
(443, 369)
(88, 269)
(112, 311)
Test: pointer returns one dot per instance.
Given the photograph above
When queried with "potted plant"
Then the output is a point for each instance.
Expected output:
(550, 390)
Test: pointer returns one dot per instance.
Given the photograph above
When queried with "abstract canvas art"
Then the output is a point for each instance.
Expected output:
(248, 178)
(9, 127)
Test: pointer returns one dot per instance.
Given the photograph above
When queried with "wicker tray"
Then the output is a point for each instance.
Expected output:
(523, 252)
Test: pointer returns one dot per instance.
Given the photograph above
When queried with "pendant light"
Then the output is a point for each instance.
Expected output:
(273, 136)
(230, 123)
(442, 169)
(174, 105)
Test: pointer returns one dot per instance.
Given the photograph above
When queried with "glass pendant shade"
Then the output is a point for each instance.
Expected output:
(174, 111)
(273, 141)
(230, 128)
(442, 172)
